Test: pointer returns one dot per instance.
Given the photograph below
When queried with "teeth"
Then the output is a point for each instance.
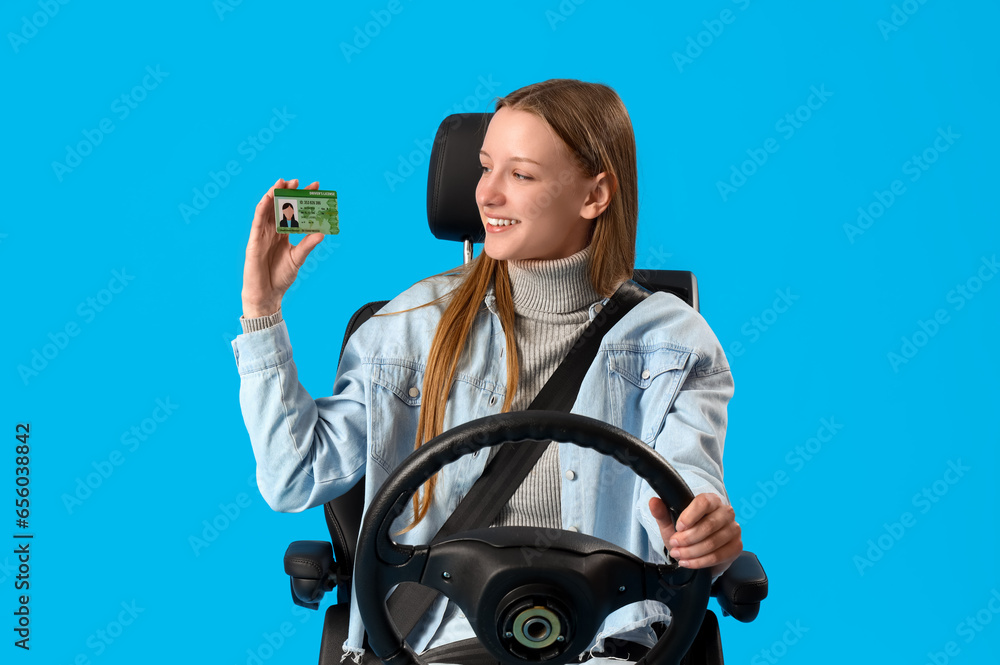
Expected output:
(502, 222)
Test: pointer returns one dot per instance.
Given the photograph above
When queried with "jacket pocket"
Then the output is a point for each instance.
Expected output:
(644, 384)
(396, 396)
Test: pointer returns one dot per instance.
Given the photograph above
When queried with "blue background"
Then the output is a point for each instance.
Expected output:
(351, 119)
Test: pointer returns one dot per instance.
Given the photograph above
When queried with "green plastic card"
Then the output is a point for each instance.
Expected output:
(305, 211)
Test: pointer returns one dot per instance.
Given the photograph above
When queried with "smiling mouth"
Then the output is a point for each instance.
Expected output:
(502, 222)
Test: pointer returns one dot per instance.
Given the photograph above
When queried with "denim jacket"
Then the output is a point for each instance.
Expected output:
(660, 374)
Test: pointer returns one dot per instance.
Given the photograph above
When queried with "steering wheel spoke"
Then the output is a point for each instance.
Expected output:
(412, 570)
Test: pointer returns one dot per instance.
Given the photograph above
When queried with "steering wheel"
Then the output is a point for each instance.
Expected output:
(539, 609)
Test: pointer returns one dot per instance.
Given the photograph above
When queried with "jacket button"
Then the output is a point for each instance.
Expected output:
(570, 474)
(645, 373)
(597, 308)
(573, 529)
(414, 391)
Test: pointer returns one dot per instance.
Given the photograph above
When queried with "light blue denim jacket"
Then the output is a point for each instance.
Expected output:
(660, 374)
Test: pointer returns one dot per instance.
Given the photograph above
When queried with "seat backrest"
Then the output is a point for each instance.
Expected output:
(452, 214)
(343, 514)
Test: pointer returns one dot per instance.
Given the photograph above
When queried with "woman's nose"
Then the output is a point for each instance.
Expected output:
(488, 193)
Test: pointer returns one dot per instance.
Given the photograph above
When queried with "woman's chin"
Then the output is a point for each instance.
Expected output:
(495, 250)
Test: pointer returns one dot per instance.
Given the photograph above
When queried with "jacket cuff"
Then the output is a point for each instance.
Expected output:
(262, 349)
(260, 322)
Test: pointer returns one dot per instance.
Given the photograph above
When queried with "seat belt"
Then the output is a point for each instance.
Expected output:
(502, 476)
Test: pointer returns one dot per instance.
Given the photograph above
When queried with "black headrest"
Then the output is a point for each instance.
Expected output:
(454, 172)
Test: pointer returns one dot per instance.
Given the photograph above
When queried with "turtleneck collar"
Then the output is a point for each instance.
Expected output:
(554, 286)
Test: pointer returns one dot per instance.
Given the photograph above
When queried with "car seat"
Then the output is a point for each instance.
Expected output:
(318, 567)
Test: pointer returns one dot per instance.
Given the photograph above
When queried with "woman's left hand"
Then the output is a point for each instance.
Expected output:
(706, 534)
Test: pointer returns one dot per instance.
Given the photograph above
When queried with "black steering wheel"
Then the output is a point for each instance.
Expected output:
(538, 609)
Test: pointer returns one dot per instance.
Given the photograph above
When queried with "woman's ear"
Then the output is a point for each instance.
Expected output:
(604, 187)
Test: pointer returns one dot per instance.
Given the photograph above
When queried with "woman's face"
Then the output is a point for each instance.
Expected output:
(287, 212)
(529, 181)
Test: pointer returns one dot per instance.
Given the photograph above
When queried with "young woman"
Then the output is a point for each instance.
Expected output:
(288, 217)
(558, 200)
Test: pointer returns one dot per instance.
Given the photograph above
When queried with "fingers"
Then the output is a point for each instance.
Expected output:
(710, 515)
(710, 534)
(264, 213)
(719, 559)
(659, 511)
(702, 505)
(272, 262)
(268, 199)
(723, 545)
(299, 253)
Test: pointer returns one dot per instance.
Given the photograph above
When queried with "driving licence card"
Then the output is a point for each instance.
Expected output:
(305, 211)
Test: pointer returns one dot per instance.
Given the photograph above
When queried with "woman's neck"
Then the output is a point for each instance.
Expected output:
(553, 286)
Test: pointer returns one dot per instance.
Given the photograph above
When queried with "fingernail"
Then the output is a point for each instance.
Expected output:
(680, 525)
(674, 542)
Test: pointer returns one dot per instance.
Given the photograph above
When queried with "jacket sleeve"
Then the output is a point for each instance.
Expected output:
(308, 451)
(694, 432)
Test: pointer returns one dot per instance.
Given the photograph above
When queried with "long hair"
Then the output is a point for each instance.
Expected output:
(592, 121)
(289, 221)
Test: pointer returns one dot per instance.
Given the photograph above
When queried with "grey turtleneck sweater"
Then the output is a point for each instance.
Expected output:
(552, 299)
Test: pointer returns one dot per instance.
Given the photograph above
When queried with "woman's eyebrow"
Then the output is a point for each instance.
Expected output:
(513, 159)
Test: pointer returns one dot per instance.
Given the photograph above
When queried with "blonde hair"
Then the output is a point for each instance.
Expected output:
(592, 121)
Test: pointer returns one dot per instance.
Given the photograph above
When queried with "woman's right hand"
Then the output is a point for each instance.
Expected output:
(272, 262)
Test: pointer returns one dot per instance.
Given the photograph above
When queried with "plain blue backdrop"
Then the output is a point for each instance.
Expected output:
(861, 448)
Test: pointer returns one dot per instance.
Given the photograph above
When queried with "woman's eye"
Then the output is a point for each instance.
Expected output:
(485, 169)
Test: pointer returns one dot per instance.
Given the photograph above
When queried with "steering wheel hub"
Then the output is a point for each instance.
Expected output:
(534, 625)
